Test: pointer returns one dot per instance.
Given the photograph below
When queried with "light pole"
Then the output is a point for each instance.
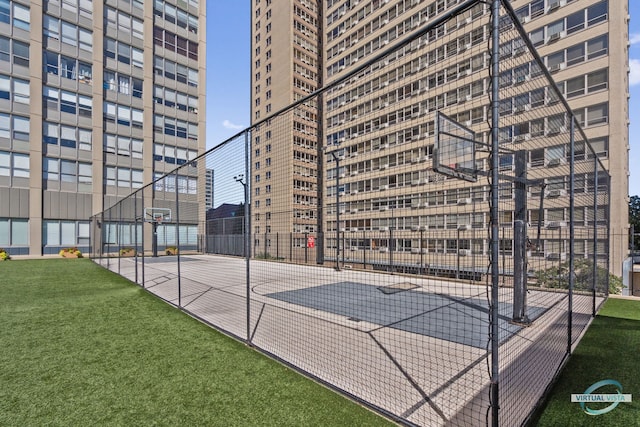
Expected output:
(336, 158)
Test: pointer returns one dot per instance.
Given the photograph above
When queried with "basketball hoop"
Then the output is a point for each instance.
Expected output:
(158, 219)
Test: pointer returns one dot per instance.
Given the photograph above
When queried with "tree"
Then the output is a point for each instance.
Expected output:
(634, 220)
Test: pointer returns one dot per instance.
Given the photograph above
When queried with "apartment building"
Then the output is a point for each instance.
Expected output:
(98, 97)
(583, 43)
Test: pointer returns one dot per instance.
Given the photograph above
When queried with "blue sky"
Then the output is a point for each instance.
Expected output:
(228, 80)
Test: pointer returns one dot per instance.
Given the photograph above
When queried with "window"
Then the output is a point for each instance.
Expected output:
(21, 17)
(14, 232)
(14, 164)
(597, 114)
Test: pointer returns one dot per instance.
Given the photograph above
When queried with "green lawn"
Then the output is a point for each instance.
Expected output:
(80, 346)
(609, 350)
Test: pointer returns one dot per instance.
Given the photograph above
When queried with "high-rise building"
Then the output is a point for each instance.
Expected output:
(286, 67)
(208, 189)
(98, 97)
(583, 43)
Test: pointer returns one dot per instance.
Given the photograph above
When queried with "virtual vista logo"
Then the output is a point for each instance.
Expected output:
(589, 397)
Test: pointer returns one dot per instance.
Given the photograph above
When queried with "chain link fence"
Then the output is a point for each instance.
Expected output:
(335, 247)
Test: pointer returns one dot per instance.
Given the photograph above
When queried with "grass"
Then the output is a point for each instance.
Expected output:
(82, 346)
(610, 349)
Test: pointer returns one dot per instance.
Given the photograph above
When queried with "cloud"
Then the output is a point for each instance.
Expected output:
(634, 74)
(634, 38)
(227, 124)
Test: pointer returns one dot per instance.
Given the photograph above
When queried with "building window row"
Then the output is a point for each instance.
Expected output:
(67, 102)
(122, 83)
(65, 233)
(576, 54)
(175, 99)
(14, 89)
(68, 33)
(580, 20)
(175, 43)
(116, 176)
(175, 15)
(14, 127)
(14, 51)
(174, 127)
(69, 68)
(66, 136)
(173, 71)
(123, 23)
(123, 115)
(169, 184)
(172, 154)
(123, 53)
(14, 164)
(123, 146)
(66, 171)
(16, 14)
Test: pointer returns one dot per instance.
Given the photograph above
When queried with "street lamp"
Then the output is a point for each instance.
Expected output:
(336, 158)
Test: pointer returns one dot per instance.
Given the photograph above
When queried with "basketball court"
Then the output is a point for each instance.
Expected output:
(329, 316)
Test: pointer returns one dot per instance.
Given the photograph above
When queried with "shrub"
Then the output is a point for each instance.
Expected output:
(70, 253)
(4, 255)
(558, 277)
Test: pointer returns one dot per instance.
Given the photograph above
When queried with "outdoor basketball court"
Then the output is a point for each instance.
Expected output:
(319, 319)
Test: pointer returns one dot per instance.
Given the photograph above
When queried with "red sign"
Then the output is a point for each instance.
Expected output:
(311, 242)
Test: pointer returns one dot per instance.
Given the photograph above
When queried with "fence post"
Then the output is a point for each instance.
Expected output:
(495, 177)
(135, 235)
(595, 236)
(178, 240)
(571, 230)
(119, 232)
(247, 231)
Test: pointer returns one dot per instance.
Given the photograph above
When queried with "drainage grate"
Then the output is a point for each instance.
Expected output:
(397, 287)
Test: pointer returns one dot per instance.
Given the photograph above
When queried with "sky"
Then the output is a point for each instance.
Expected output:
(228, 76)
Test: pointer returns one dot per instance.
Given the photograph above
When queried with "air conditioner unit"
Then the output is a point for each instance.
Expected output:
(384, 125)
(525, 19)
(353, 229)
(415, 228)
(385, 22)
(383, 146)
(554, 225)
(468, 97)
(383, 166)
(464, 252)
(354, 41)
(384, 249)
(354, 248)
(353, 173)
(354, 192)
(353, 154)
(383, 228)
(415, 250)
(518, 51)
(552, 194)
(385, 104)
(464, 227)
(384, 187)
(343, 139)
(464, 201)
(354, 97)
(553, 5)
(556, 256)
(384, 208)
(555, 67)
(354, 135)
(556, 162)
(415, 182)
(553, 37)
(343, 175)
(385, 84)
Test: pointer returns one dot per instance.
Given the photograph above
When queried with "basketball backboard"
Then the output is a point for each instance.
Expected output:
(157, 215)
(454, 152)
